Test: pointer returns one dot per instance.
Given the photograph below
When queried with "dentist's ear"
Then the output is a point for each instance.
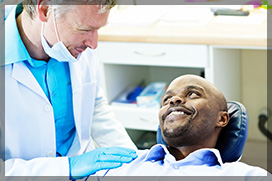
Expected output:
(223, 119)
(42, 10)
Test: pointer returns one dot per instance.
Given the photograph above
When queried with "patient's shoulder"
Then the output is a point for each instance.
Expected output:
(126, 168)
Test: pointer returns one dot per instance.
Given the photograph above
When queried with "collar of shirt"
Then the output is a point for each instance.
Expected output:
(18, 52)
(205, 156)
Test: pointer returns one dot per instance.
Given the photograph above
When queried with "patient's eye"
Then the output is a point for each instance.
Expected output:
(193, 95)
(166, 100)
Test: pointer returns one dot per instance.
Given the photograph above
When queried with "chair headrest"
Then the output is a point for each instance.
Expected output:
(233, 137)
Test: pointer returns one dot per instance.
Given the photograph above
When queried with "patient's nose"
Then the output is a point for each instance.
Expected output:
(176, 100)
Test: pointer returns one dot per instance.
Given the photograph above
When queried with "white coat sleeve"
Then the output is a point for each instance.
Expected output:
(107, 131)
(36, 167)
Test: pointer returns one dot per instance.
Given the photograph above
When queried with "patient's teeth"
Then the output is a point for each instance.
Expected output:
(176, 113)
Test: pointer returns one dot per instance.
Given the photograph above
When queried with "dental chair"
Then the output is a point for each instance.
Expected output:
(233, 137)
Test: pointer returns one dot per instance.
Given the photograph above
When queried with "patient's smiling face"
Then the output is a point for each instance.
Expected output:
(190, 111)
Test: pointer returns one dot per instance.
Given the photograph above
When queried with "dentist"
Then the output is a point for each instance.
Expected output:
(55, 111)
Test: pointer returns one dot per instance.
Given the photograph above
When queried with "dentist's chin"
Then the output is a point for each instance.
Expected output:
(75, 53)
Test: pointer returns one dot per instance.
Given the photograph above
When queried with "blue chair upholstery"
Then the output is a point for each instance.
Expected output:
(233, 137)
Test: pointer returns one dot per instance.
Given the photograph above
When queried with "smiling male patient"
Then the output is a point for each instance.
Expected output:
(192, 116)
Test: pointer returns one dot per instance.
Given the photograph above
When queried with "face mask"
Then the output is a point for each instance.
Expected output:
(57, 51)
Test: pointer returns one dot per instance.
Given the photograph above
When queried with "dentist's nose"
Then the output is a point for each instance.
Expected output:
(92, 40)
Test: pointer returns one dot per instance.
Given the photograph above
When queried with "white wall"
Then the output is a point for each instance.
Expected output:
(254, 97)
(254, 87)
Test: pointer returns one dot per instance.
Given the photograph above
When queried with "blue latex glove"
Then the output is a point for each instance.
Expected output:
(99, 159)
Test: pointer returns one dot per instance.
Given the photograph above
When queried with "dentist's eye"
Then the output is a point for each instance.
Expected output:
(79, 30)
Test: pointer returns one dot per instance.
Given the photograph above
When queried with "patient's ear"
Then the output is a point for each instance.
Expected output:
(223, 119)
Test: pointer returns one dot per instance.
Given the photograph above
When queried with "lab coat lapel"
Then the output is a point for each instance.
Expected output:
(76, 82)
(23, 75)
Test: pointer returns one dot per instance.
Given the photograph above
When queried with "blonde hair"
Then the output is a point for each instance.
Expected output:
(62, 6)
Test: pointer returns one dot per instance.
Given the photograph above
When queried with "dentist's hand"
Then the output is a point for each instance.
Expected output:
(99, 159)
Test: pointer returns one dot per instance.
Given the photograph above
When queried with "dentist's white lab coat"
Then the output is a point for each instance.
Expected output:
(30, 143)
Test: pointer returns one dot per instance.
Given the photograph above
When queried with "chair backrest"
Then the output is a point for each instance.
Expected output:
(233, 137)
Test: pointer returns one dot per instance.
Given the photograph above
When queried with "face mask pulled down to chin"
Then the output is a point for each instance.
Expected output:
(58, 52)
